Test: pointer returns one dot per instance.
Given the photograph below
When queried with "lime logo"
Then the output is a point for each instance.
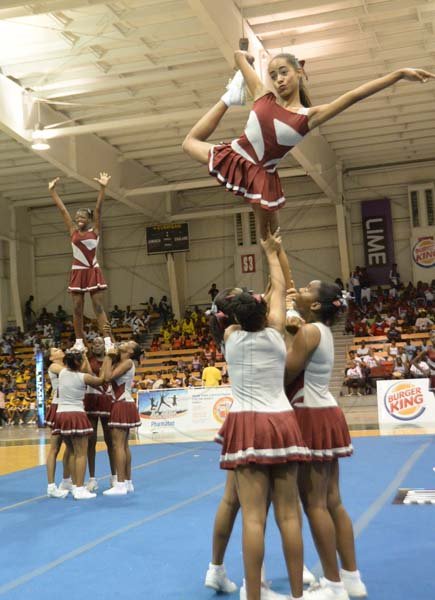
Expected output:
(221, 408)
(404, 401)
(423, 252)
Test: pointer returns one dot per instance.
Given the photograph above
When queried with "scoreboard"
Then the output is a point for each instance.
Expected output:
(169, 237)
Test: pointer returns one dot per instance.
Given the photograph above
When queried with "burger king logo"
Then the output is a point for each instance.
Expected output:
(221, 408)
(404, 401)
(423, 252)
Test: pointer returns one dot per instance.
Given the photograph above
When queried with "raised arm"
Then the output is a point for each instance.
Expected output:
(276, 317)
(103, 180)
(320, 114)
(244, 62)
(286, 270)
(60, 205)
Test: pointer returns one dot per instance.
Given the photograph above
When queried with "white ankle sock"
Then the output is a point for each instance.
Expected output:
(351, 574)
(336, 586)
(51, 486)
(67, 480)
(294, 598)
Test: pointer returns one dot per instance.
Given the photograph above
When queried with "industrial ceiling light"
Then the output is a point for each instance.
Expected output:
(40, 144)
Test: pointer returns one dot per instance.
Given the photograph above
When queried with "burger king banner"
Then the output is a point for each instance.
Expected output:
(405, 402)
(423, 254)
(189, 413)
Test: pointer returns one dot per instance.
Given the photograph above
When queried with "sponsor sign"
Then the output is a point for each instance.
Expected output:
(405, 402)
(378, 239)
(187, 411)
(40, 388)
(423, 252)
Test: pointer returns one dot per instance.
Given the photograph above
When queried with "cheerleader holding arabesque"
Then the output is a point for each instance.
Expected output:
(279, 120)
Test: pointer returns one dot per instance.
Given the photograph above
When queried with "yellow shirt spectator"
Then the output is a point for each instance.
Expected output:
(211, 376)
(188, 327)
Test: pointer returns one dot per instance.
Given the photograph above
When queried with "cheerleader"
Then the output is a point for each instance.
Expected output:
(71, 423)
(86, 275)
(278, 121)
(260, 438)
(56, 366)
(124, 414)
(324, 430)
(98, 404)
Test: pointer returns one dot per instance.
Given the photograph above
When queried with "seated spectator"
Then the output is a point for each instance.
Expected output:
(400, 370)
(188, 327)
(362, 350)
(155, 344)
(393, 334)
(360, 328)
(392, 349)
(158, 383)
(419, 367)
(196, 363)
(174, 381)
(422, 323)
(352, 357)
(379, 326)
(211, 376)
(354, 379)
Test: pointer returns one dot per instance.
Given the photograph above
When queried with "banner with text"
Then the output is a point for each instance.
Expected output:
(405, 403)
(190, 412)
(378, 239)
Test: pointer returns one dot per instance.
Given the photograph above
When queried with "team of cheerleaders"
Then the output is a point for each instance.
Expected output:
(284, 433)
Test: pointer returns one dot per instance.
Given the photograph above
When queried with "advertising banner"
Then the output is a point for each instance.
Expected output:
(404, 403)
(378, 239)
(186, 412)
(423, 254)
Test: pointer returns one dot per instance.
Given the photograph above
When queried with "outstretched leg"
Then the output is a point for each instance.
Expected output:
(195, 144)
(225, 516)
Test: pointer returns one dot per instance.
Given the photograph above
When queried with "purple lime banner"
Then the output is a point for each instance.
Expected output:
(378, 239)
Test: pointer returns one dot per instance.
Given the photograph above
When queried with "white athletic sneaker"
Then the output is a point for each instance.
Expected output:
(79, 346)
(129, 486)
(236, 91)
(92, 485)
(54, 492)
(308, 577)
(324, 591)
(66, 484)
(216, 578)
(119, 489)
(81, 493)
(266, 593)
(353, 583)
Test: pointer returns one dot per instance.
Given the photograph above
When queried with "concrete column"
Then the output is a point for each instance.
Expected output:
(14, 268)
(342, 230)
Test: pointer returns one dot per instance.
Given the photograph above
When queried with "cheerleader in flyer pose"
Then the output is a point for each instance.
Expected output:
(278, 121)
(309, 365)
(86, 275)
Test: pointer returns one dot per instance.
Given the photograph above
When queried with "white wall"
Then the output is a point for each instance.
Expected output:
(309, 234)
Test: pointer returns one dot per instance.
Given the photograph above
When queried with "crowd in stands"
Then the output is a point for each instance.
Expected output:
(46, 329)
(393, 329)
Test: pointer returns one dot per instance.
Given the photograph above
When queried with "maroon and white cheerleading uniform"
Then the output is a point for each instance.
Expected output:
(247, 166)
(261, 427)
(124, 412)
(51, 413)
(86, 275)
(71, 418)
(98, 400)
(321, 420)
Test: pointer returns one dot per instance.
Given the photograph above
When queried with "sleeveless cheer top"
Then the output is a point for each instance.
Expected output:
(122, 386)
(311, 389)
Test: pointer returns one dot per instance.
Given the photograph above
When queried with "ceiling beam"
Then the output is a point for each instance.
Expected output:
(224, 23)
(197, 184)
(80, 158)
